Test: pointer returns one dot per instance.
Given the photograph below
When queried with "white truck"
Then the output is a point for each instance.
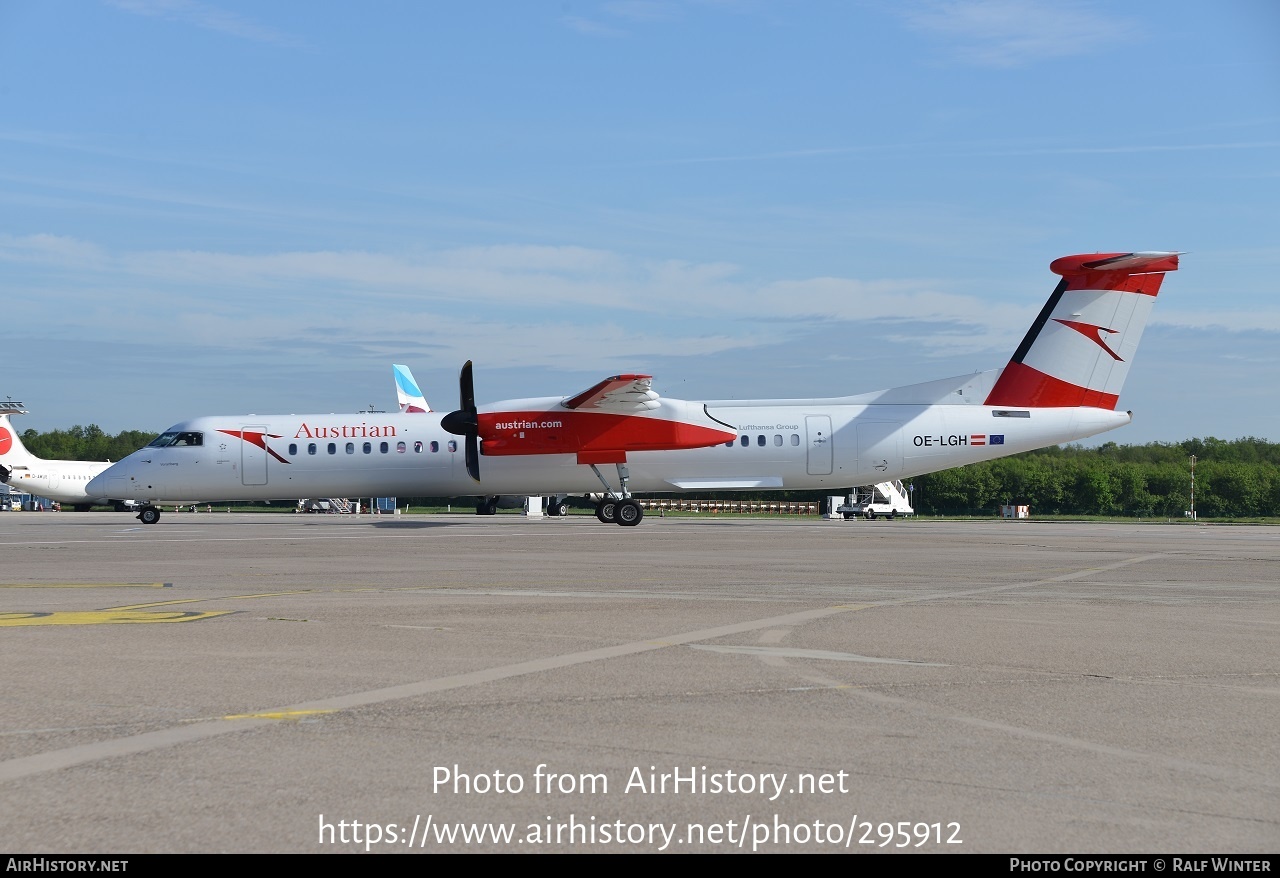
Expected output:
(885, 500)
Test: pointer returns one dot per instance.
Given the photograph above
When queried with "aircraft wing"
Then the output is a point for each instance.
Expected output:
(621, 394)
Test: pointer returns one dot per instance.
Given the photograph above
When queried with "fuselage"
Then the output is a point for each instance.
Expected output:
(62, 481)
(778, 445)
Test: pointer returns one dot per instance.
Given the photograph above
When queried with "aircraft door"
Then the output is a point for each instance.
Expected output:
(818, 427)
(253, 460)
(880, 448)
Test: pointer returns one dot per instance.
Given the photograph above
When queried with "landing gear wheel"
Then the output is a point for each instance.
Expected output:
(871, 516)
(557, 508)
(605, 511)
(628, 513)
(487, 506)
(149, 515)
(893, 515)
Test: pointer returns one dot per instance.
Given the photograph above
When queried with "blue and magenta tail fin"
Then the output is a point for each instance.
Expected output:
(407, 392)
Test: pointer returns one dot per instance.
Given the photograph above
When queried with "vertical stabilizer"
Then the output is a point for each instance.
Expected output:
(13, 453)
(410, 397)
(1078, 351)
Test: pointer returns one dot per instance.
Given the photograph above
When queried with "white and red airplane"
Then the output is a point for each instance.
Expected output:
(65, 482)
(1062, 384)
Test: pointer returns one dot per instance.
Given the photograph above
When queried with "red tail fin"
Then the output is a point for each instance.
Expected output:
(1078, 351)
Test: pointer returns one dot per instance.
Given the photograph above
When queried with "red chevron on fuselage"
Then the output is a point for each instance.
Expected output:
(258, 439)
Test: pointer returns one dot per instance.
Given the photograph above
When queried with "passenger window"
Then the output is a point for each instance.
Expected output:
(333, 447)
(293, 448)
(760, 440)
(745, 440)
(795, 438)
(401, 448)
(311, 448)
(383, 447)
(435, 446)
(417, 448)
(777, 439)
(453, 444)
(729, 444)
(368, 448)
(351, 448)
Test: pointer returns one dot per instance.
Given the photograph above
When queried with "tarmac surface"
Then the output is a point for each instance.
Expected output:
(287, 683)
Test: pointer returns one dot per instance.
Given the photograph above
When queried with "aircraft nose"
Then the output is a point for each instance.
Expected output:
(111, 483)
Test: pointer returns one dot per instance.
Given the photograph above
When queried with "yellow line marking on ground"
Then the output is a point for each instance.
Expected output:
(234, 597)
(86, 585)
(278, 714)
(101, 617)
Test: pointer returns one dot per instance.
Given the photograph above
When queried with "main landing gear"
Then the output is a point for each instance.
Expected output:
(619, 507)
(149, 515)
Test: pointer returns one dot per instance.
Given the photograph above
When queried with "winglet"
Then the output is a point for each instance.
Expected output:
(1078, 351)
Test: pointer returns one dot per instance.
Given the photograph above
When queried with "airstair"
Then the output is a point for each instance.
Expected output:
(327, 504)
(883, 500)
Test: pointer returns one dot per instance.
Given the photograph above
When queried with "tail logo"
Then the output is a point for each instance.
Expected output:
(1092, 332)
(6, 441)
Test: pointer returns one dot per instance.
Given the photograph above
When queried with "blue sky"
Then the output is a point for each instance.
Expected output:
(213, 207)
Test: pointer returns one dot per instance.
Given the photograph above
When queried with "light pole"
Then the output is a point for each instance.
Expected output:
(1193, 487)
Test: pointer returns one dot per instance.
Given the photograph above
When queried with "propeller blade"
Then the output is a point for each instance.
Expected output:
(467, 389)
(473, 456)
(466, 421)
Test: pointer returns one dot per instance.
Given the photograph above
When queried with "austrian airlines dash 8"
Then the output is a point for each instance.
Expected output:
(1062, 384)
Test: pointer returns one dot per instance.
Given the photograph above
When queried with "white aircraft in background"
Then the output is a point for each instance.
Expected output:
(65, 482)
(1062, 384)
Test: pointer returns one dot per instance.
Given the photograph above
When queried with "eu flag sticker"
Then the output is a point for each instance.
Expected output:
(995, 439)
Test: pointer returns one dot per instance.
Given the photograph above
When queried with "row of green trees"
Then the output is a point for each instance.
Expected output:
(84, 443)
(1233, 478)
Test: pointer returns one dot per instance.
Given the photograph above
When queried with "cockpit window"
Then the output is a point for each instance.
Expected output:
(178, 439)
